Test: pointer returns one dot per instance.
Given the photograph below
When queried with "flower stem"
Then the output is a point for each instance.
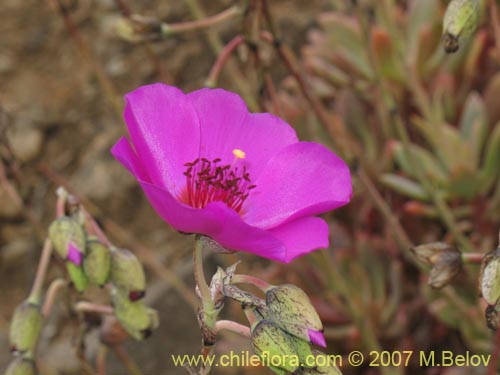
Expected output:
(51, 295)
(101, 359)
(127, 360)
(35, 296)
(223, 57)
(203, 22)
(252, 280)
(207, 315)
(84, 306)
(472, 258)
(199, 273)
(229, 325)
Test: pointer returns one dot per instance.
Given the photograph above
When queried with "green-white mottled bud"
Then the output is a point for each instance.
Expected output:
(21, 366)
(490, 277)
(25, 327)
(65, 231)
(460, 21)
(138, 320)
(97, 262)
(277, 349)
(77, 276)
(127, 273)
(290, 307)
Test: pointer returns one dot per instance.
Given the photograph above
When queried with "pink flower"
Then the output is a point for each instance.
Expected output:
(208, 166)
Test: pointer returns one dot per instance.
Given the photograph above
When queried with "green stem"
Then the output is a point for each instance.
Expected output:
(472, 258)
(199, 273)
(208, 313)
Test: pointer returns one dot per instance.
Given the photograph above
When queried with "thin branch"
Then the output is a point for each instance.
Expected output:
(229, 325)
(51, 295)
(222, 59)
(127, 360)
(36, 290)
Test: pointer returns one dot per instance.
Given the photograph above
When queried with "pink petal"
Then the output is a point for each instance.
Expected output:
(302, 236)
(226, 125)
(217, 221)
(317, 338)
(303, 179)
(74, 254)
(165, 132)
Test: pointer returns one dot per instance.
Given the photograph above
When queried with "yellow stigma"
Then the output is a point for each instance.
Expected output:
(239, 154)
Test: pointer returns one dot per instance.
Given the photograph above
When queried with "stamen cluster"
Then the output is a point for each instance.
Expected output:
(209, 181)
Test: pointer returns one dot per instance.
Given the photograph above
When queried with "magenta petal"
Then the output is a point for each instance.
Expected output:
(165, 132)
(217, 221)
(317, 338)
(226, 125)
(124, 153)
(74, 255)
(303, 179)
(302, 236)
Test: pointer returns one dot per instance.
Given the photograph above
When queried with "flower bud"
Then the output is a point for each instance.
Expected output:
(97, 262)
(446, 262)
(25, 327)
(137, 28)
(127, 273)
(77, 276)
(21, 366)
(490, 277)
(277, 349)
(68, 238)
(290, 307)
(138, 320)
(460, 21)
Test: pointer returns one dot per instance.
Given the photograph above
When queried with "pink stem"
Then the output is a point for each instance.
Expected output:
(213, 77)
(252, 280)
(233, 327)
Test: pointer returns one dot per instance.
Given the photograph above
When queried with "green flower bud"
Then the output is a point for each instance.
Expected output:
(127, 273)
(138, 320)
(97, 262)
(460, 21)
(77, 276)
(65, 231)
(277, 349)
(21, 366)
(25, 327)
(290, 307)
(490, 277)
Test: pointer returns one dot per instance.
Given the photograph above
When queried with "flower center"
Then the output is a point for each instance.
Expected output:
(210, 181)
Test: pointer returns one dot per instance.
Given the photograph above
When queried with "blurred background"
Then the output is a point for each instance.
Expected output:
(368, 78)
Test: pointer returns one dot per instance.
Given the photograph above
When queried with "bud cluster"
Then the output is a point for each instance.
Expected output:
(285, 328)
(88, 261)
